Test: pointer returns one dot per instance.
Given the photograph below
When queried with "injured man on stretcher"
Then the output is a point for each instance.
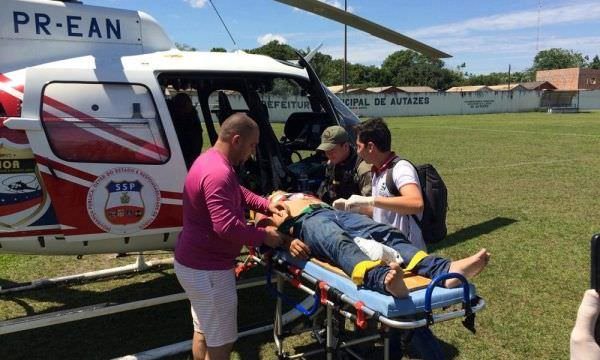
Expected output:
(346, 239)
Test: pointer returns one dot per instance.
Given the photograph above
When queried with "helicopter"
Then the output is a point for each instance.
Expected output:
(94, 149)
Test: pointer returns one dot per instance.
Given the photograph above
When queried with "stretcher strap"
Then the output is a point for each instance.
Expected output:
(322, 289)
(246, 265)
(361, 320)
(296, 283)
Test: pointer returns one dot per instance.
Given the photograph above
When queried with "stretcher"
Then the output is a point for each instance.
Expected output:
(332, 289)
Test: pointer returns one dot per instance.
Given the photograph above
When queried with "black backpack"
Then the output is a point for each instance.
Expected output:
(435, 199)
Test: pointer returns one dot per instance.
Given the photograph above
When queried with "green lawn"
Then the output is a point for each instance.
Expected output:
(524, 186)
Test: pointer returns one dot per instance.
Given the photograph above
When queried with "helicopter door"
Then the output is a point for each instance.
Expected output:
(103, 153)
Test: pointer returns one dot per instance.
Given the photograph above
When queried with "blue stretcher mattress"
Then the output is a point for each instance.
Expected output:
(387, 305)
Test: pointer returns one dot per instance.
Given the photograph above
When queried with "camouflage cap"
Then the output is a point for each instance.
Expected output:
(332, 136)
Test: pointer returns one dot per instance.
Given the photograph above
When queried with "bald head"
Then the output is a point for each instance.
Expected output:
(237, 124)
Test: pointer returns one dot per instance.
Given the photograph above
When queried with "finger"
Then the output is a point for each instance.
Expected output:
(587, 315)
(305, 251)
(297, 253)
(300, 250)
(300, 253)
(305, 248)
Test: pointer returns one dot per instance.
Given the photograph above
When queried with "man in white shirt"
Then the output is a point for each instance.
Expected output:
(373, 144)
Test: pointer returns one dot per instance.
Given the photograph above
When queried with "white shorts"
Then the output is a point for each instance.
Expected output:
(213, 297)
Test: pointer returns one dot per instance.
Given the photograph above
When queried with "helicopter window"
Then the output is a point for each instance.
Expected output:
(224, 103)
(284, 97)
(103, 122)
(346, 114)
(270, 99)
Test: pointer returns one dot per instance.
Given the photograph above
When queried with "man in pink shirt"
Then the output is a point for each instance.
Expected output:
(214, 231)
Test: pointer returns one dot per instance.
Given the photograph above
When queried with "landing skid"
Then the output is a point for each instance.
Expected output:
(88, 312)
(186, 346)
(139, 265)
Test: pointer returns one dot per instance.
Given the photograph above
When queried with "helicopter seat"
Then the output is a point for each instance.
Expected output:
(302, 130)
(187, 126)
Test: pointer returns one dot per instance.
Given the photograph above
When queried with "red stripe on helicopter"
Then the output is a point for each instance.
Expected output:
(91, 177)
(171, 195)
(12, 107)
(14, 136)
(81, 116)
(105, 126)
(20, 206)
(4, 79)
(64, 168)
(18, 87)
(72, 143)
(72, 211)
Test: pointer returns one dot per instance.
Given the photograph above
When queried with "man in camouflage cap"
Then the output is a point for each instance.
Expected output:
(346, 173)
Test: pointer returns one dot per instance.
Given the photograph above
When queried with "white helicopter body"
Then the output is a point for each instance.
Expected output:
(92, 155)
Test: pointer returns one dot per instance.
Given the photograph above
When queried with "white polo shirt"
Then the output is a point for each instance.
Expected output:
(403, 174)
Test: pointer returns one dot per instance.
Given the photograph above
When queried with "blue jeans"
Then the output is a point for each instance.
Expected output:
(329, 234)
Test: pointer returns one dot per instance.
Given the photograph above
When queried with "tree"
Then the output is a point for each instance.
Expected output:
(363, 76)
(276, 50)
(403, 68)
(328, 70)
(497, 78)
(595, 63)
(557, 58)
(184, 47)
(409, 68)
(218, 49)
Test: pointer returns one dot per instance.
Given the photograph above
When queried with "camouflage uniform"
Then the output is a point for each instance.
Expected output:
(353, 176)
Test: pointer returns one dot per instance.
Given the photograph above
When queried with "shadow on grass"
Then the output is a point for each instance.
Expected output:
(124, 333)
(7, 284)
(375, 349)
(474, 231)
(65, 297)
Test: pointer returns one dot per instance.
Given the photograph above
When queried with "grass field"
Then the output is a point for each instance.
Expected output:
(525, 186)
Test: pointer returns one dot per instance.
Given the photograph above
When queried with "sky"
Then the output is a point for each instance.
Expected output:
(486, 35)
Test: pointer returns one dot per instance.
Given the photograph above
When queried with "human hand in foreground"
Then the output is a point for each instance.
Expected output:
(583, 343)
(278, 208)
(355, 202)
(339, 204)
(298, 249)
(274, 238)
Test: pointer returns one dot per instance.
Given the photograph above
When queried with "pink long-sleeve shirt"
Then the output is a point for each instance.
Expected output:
(214, 225)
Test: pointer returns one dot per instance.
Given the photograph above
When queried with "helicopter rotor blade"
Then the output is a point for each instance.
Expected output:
(312, 53)
(331, 12)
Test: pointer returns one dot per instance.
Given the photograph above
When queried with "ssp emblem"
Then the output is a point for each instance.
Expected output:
(125, 204)
(123, 200)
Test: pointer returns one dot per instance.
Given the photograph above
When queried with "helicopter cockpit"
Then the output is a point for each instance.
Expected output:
(291, 114)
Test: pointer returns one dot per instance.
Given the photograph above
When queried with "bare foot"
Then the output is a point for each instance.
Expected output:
(469, 267)
(394, 281)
